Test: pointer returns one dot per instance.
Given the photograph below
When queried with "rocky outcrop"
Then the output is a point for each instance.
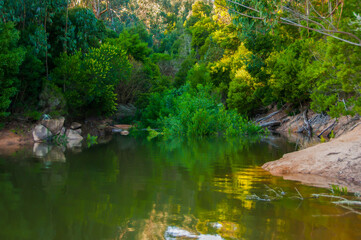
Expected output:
(339, 159)
(54, 125)
(306, 122)
(41, 133)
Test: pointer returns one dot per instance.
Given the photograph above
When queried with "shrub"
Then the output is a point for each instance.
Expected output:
(89, 81)
(194, 113)
(199, 74)
(288, 81)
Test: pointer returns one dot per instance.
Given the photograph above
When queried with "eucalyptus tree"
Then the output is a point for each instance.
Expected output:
(322, 16)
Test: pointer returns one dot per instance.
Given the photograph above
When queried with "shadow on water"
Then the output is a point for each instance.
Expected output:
(136, 189)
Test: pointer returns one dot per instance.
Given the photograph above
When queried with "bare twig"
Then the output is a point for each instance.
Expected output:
(299, 194)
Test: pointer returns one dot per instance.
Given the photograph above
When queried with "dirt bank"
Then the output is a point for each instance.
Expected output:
(15, 138)
(335, 162)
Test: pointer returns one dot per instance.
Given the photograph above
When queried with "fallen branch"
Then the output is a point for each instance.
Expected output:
(299, 193)
(348, 202)
(268, 116)
(354, 126)
(319, 135)
(270, 124)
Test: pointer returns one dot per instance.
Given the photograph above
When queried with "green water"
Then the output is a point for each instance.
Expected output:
(135, 189)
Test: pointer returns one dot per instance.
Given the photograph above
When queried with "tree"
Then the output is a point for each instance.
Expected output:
(11, 57)
(324, 17)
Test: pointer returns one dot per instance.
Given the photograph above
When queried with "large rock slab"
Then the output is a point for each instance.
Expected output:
(54, 125)
(41, 133)
(338, 159)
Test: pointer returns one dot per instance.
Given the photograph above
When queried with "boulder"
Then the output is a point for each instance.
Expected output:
(41, 133)
(73, 135)
(78, 131)
(75, 126)
(54, 125)
(62, 131)
(124, 133)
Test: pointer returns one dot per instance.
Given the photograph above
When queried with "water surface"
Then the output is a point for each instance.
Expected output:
(136, 189)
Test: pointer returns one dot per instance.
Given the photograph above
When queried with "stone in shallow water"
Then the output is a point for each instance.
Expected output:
(178, 233)
(41, 133)
(54, 125)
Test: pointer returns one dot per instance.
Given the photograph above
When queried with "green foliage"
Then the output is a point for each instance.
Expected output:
(194, 113)
(91, 140)
(337, 190)
(59, 139)
(34, 115)
(133, 45)
(84, 30)
(199, 74)
(181, 75)
(89, 81)
(338, 74)
(11, 58)
(241, 92)
(287, 68)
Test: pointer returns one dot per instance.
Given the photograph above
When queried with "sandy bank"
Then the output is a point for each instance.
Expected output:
(335, 162)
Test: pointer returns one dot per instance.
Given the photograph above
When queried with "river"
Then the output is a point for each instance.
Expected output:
(138, 189)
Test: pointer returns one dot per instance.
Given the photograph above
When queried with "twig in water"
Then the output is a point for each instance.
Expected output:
(301, 197)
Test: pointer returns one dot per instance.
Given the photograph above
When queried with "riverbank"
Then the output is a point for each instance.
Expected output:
(335, 162)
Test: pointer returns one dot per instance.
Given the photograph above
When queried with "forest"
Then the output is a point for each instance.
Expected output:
(191, 68)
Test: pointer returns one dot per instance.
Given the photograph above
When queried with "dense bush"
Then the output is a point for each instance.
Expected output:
(194, 112)
(89, 81)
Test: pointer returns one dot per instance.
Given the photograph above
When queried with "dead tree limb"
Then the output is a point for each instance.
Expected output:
(308, 126)
(268, 116)
(333, 124)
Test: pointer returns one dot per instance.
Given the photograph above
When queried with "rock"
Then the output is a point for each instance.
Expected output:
(41, 149)
(41, 133)
(124, 133)
(75, 126)
(78, 131)
(62, 131)
(73, 135)
(54, 125)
